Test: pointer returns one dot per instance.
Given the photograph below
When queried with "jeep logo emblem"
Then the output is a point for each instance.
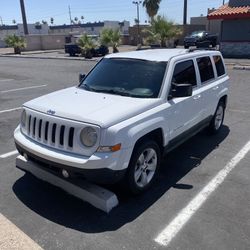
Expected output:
(51, 112)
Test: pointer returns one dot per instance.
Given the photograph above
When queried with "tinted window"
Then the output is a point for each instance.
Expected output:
(219, 65)
(184, 72)
(128, 77)
(205, 68)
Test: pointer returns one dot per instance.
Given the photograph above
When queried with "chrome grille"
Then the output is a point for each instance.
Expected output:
(49, 132)
(57, 132)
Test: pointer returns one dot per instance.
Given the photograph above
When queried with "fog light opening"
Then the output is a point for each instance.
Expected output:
(26, 157)
(65, 173)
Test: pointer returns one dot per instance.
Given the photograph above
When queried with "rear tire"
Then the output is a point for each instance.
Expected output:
(218, 118)
(143, 167)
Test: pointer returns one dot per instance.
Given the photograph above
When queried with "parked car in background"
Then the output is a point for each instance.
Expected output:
(72, 48)
(200, 39)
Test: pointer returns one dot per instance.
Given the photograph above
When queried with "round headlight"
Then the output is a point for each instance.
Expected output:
(23, 118)
(88, 137)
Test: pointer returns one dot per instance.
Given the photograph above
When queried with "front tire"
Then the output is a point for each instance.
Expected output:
(218, 118)
(143, 167)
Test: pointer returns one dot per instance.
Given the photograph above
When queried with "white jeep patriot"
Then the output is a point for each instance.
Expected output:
(130, 109)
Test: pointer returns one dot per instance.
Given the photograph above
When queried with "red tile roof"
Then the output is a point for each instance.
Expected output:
(227, 12)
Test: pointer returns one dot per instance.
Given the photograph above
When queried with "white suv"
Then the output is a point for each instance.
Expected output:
(130, 109)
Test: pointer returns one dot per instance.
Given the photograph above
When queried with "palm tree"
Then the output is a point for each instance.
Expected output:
(161, 31)
(110, 37)
(152, 7)
(86, 44)
(15, 42)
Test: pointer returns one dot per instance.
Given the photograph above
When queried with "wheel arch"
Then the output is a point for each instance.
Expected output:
(156, 135)
(224, 99)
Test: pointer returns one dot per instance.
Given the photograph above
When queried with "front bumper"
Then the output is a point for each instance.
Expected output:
(100, 167)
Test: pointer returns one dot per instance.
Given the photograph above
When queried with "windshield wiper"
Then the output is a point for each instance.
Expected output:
(114, 91)
(87, 87)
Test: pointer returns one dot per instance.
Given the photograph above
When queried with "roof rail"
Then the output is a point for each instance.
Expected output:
(201, 49)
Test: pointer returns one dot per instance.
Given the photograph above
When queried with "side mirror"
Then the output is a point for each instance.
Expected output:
(181, 90)
(81, 77)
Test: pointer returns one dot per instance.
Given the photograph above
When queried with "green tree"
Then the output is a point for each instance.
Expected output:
(161, 31)
(111, 37)
(152, 7)
(86, 44)
(15, 42)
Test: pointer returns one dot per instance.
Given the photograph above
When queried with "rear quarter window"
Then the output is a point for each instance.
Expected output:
(219, 65)
(205, 68)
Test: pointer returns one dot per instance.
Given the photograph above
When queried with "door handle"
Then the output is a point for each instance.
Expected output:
(197, 97)
(216, 87)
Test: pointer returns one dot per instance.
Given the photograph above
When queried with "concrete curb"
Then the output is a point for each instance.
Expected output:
(95, 195)
(52, 58)
(241, 67)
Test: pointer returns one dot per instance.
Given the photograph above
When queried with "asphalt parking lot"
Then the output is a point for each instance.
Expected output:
(56, 220)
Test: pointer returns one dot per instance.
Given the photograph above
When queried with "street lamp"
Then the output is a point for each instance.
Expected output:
(137, 3)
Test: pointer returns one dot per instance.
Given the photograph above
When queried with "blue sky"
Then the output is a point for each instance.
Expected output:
(97, 10)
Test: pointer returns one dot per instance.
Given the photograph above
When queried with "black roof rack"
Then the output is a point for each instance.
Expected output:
(201, 49)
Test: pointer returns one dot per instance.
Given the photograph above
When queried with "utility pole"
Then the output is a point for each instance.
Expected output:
(1, 20)
(185, 13)
(70, 18)
(137, 3)
(25, 25)
(223, 2)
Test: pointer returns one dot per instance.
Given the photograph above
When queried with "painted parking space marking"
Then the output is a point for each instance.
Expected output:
(8, 154)
(173, 228)
(11, 237)
(9, 110)
(239, 111)
(24, 88)
(6, 80)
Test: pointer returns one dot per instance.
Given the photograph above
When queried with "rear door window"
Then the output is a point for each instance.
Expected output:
(205, 68)
(219, 65)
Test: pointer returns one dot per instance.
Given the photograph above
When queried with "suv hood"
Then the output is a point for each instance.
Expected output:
(101, 109)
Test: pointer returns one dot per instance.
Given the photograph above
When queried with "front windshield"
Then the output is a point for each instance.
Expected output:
(197, 33)
(127, 77)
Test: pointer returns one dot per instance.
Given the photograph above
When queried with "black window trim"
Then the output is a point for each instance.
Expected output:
(196, 73)
(214, 70)
(195, 87)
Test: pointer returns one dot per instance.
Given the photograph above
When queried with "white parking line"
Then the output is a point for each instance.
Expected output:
(6, 80)
(32, 87)
(8, 154)
(9, 110)
(11, 237)
(166, 236)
